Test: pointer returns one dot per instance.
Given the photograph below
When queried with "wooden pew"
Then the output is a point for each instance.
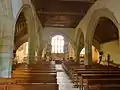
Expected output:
(71, 70)
(94, 68)
(42, 65)
(32, 74)
(108, 87)
(94, 72)
(40, 76)
(11, 84)
(26, 80)
(79, 71)
(68, 67)
(101, 84)
(38, 86)
(37, 68)
(93, 80)
(7, 81)
(2, 87)
(33, 71)
(36, 77)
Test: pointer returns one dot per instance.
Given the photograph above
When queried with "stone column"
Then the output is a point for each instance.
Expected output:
(39, 53)
(119, 34)
(77, 55)
(6, 38)
(31, 51)
(30, 20)
(88, 53)
(77, 49)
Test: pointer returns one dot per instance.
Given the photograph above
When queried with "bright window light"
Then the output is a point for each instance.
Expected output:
(57, 43)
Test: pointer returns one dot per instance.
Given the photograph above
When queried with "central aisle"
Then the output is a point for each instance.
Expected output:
(63, 80)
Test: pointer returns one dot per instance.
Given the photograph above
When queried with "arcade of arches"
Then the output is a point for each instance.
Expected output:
(79, 35)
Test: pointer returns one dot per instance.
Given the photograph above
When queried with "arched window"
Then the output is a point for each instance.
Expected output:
(57, 43)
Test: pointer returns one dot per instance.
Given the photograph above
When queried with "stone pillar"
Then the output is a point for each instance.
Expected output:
(30, 20)
(77, 49)
(88, 53)
(6, 38)
(31, 51)
(39, 53)
(77, 55)
(119, 34)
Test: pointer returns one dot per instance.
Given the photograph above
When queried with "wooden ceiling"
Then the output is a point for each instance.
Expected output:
(61, 13)
(106, 31)
(21, 27)
(21, 31)
(67, 14)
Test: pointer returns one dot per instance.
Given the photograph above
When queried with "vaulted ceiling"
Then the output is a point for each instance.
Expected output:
(61, 13)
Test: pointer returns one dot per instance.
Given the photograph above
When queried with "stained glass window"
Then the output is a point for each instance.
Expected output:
(57, 43)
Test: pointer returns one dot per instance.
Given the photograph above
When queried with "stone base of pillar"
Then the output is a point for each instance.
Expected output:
(31, 59)
(5, 65)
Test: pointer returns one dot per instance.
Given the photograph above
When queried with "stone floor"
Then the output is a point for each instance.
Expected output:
(63, 80)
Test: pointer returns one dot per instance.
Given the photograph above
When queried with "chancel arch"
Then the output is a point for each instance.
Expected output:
(65, 42)
(57, 47)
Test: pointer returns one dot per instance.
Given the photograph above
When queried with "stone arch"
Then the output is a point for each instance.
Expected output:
(31, 28)
(66, 38)
(54, 33)
(97, 14)
(80, 39)
(53, 39)
(27, 10)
